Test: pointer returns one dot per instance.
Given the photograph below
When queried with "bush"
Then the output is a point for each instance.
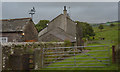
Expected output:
(41, 25)
(112, 25)
(67, 43)
(101, 27)
(86, 28)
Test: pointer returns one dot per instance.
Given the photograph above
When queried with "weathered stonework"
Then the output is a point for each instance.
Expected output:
(13, 29)
(20, 48)
(63, 22)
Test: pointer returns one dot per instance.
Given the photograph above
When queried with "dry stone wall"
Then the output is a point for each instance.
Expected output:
(21, 48)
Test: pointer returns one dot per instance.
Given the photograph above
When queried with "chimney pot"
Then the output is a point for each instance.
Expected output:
(65, 11)
(64, 8)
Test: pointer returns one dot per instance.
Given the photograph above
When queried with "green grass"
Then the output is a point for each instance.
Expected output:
(106, 27)
(109, 67)
(109, 33)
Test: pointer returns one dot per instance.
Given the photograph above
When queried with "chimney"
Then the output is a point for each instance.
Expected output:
(65, 11)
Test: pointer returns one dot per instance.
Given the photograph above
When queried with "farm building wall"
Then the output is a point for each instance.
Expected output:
(30, 32)
(13, 37)
(71, 27)
(59, 21)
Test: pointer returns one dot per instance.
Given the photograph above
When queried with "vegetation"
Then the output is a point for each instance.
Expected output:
(67, 43)
(111, 37)
(87, 29)
(109, 33)
(101, 27)
(112, 25)
(41, 25)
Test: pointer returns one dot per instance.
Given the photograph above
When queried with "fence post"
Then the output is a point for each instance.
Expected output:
(113, 54)
(38, 58)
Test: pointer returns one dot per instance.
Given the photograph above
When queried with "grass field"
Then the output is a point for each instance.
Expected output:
(111, 37)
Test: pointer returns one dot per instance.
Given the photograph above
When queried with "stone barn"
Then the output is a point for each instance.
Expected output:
(59, 29)
(18, 30)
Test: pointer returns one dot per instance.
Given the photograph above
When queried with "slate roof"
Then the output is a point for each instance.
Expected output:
(59, 16)
(11, 25)
(58, 32)
(45, 29)
(42, 32)
(61, 34)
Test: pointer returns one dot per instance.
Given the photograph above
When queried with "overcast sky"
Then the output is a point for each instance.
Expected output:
(91, 12)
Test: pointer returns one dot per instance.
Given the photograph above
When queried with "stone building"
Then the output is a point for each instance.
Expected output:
(59, 29)
(18, 30)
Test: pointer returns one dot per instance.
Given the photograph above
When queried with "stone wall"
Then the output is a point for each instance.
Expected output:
(71, 27)
(56, 22)
(21, 48)
(13, 37)
(30, 32)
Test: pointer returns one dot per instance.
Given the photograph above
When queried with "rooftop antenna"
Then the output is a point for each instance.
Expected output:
(32, 12)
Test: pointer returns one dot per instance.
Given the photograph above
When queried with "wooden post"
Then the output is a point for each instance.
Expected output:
(113, 54)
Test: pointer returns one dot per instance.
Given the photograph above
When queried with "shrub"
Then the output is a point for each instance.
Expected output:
(67, 43)
(112, 25)
(101, 27)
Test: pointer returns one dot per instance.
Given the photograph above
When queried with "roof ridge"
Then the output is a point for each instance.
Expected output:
(55, 18)
(14, 19)
(70, 19)
(14, 24)
(44, 33)
(64, 31)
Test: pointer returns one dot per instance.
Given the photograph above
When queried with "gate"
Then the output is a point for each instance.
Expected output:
(76, 57)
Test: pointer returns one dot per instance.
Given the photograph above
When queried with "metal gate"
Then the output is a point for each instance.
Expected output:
(76, 56)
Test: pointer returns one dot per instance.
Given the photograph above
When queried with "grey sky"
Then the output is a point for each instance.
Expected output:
(91, 12)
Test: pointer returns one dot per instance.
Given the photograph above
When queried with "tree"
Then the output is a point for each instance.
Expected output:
(87, 29)
(101, 27)
(79, 35)
(41, 25)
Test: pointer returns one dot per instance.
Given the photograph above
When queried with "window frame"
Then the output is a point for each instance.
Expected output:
(3, 39)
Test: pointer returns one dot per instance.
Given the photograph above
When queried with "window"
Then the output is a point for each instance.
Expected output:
(3, 39)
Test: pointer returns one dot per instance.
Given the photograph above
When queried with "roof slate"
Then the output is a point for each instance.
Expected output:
(45, 30)
(11, 25)
(60, 33)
